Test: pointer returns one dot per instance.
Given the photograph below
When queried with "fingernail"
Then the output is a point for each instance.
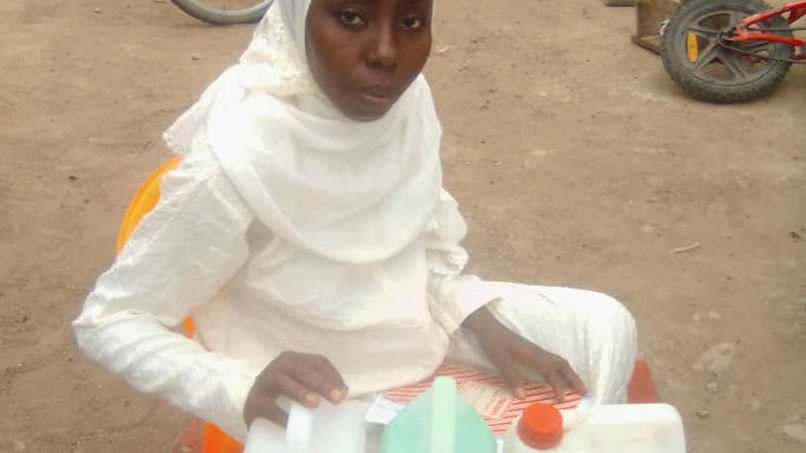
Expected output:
(336, 396)
(311, 400)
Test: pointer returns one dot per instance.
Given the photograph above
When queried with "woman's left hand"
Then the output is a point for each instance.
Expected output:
(509, 352)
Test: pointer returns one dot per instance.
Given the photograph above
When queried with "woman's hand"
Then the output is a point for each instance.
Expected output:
(304, 378)
(508, 351)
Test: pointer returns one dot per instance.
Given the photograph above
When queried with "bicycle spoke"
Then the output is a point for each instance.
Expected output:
(707, 56)
(703, 32)
(733, 65)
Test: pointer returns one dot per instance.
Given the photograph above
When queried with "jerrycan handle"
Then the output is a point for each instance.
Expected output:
(443, 415)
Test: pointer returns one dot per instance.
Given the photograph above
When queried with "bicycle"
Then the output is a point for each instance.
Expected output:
(732, 50)
(225, 12)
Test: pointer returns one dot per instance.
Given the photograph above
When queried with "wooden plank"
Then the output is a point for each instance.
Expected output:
(648, 42)
(650, 14)
(619, 2)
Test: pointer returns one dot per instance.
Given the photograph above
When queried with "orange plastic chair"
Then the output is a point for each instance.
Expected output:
(215, 440)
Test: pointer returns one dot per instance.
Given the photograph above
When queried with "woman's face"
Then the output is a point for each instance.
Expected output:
(363, 54)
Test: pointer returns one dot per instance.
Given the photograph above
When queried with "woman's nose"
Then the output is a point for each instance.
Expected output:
(383, 50)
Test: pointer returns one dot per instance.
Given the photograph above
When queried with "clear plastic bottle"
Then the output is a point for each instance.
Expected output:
(327, 429)
(621, 428)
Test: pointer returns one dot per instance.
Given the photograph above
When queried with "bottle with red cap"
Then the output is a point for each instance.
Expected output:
(622, 428)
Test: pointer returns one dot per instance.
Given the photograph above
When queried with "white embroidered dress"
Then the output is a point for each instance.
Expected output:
(252, 296)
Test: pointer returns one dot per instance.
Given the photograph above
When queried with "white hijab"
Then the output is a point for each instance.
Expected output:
(346, 190)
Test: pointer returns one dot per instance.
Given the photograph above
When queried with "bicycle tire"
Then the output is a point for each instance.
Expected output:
(218, 16)
(681, 70)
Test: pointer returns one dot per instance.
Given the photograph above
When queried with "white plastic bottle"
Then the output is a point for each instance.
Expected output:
(621, 428)
(326, 429)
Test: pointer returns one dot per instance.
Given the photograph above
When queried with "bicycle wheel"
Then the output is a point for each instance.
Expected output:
(225, 12)
(697, 57)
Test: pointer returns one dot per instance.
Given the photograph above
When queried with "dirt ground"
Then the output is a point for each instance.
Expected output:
(576, 160)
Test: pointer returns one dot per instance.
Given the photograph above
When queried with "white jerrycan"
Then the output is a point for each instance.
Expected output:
(327, 429)
(618, 428)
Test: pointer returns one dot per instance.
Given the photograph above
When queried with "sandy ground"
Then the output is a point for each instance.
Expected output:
(576, 161)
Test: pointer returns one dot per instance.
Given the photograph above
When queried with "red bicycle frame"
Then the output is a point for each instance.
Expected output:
(743, 33)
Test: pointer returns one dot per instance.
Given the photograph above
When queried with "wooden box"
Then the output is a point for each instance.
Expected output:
(649, 16)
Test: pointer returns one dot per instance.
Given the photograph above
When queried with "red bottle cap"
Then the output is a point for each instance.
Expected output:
(541, 426)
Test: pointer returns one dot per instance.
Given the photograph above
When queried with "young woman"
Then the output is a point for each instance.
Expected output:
(308, 235)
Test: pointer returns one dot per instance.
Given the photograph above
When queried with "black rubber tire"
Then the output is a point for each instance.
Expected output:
(681, 70)
(217, 16)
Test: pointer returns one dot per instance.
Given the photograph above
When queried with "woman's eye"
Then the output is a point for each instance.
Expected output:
(351, 18)
(412, 22)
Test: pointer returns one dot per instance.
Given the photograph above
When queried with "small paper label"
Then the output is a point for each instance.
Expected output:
(382, 411)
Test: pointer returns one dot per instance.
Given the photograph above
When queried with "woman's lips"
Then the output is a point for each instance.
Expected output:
(377, 98)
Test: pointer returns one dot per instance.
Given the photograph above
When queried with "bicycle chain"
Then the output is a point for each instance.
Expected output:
(747, 52)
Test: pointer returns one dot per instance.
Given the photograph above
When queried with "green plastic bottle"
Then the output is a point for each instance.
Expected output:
(438, 421)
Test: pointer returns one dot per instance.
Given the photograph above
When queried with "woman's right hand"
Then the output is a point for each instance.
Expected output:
(304, 378)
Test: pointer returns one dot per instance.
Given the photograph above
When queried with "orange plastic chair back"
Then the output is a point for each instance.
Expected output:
(641, 389)
(215, 440)
(143, 202)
